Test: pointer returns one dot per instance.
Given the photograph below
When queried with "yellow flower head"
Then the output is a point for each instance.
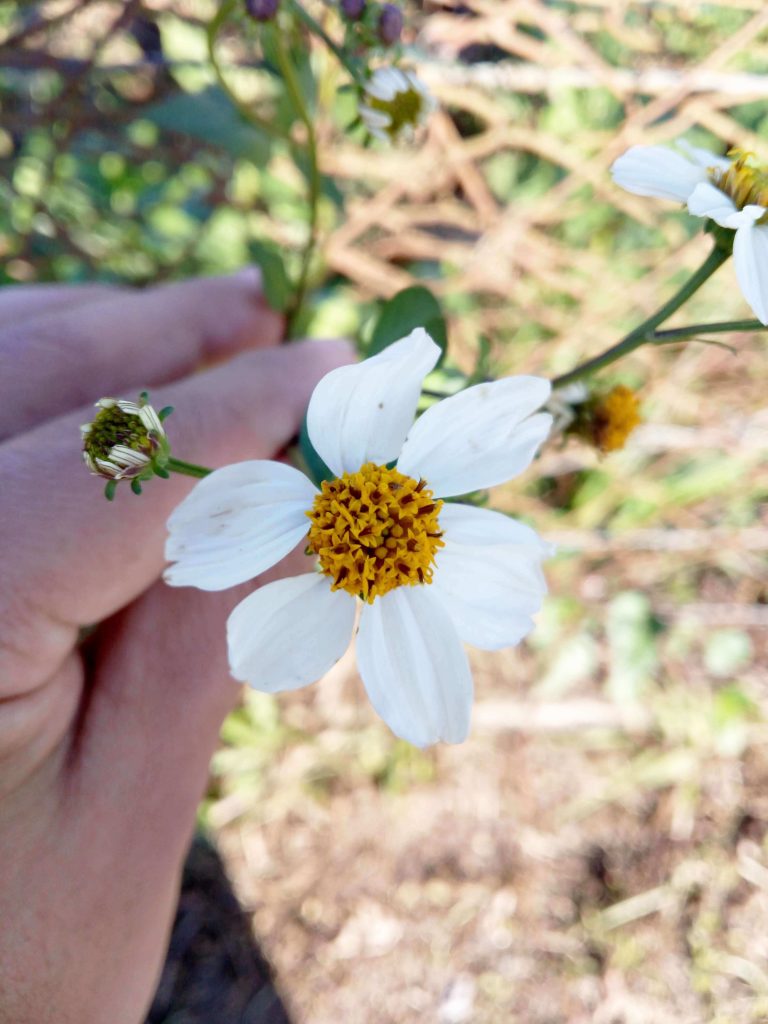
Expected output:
(745, 181)
(612, 418)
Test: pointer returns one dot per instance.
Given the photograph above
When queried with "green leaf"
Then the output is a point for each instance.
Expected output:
(413, 307)
(277, 284)
(316, 468)
(210, 117)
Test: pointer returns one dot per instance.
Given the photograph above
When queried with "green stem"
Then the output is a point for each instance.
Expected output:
(294, 90)
(723, 327)
(645, 332)
(187, 468)
(212, 31)
(317, 29)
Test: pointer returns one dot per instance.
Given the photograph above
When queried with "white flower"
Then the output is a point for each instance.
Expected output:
(431, 575)
(732, 192)
(124, 439)
(395, 103)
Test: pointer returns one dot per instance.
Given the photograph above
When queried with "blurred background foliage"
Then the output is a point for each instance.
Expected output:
(596, 851)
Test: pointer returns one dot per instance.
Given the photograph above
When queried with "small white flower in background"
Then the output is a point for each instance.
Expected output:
(430, 574)
(732, 191)
(395, 103)
(123, 439)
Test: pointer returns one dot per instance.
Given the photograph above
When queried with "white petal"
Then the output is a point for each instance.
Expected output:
(122, 455)
(414, 667)
(236, 523)
(362, 413)
(703, 157)
(469, 525)
(151, 420)
(707, 200)
(657, 171)
(289, 633)
(374, 118)
(488, 576)
(384, 84)
(378, 133)
(750, 257)
(479, 437)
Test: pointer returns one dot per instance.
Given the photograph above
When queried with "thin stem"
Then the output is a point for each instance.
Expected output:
(724, 327)
(317, 29)
(294, 89)
(645, 332)
(187, 468)
(211, 33)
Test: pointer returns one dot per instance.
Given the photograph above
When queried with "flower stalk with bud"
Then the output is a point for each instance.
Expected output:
(127, 441)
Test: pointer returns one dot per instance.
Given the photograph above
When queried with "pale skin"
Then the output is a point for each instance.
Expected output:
(104, 747)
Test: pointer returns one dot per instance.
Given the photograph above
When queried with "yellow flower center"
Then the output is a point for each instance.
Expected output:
(614, 417)
(744, 181)
(405, 109)
(375, 530)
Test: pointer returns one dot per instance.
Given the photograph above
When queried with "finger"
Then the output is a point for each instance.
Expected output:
(157, 705)
(68, 357)
(21, 302)
(69, 557)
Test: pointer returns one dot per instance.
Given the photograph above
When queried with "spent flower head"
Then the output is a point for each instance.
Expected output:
(126, 440)
(730, 190)
(395, 104)
(426, 575)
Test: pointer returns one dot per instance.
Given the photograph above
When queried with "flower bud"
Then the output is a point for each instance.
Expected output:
(125, 440)
(262, 10)
(390, 24)
(352, 9)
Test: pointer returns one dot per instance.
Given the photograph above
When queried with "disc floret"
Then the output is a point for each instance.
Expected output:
(375, 530)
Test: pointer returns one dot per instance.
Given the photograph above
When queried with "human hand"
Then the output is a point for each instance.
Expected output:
(104, 748)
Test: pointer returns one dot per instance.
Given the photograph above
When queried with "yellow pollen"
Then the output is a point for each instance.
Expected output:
(744, 181)
(614, 417)
(375, 530)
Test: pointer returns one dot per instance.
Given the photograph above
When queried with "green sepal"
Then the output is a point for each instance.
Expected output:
(136, 486)
(109, 490)
(410, 308)
(165, 413)
(162, 473)
(316, 468)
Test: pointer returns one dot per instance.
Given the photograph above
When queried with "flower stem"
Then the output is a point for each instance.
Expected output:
(722, 327)
(294, 90)
(186, 468)
(317, 29)
(212, 31)
(645, 332)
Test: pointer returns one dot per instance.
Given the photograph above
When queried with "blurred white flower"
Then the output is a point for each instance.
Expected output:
(395, 103)
(732, 191)
(429, 575)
